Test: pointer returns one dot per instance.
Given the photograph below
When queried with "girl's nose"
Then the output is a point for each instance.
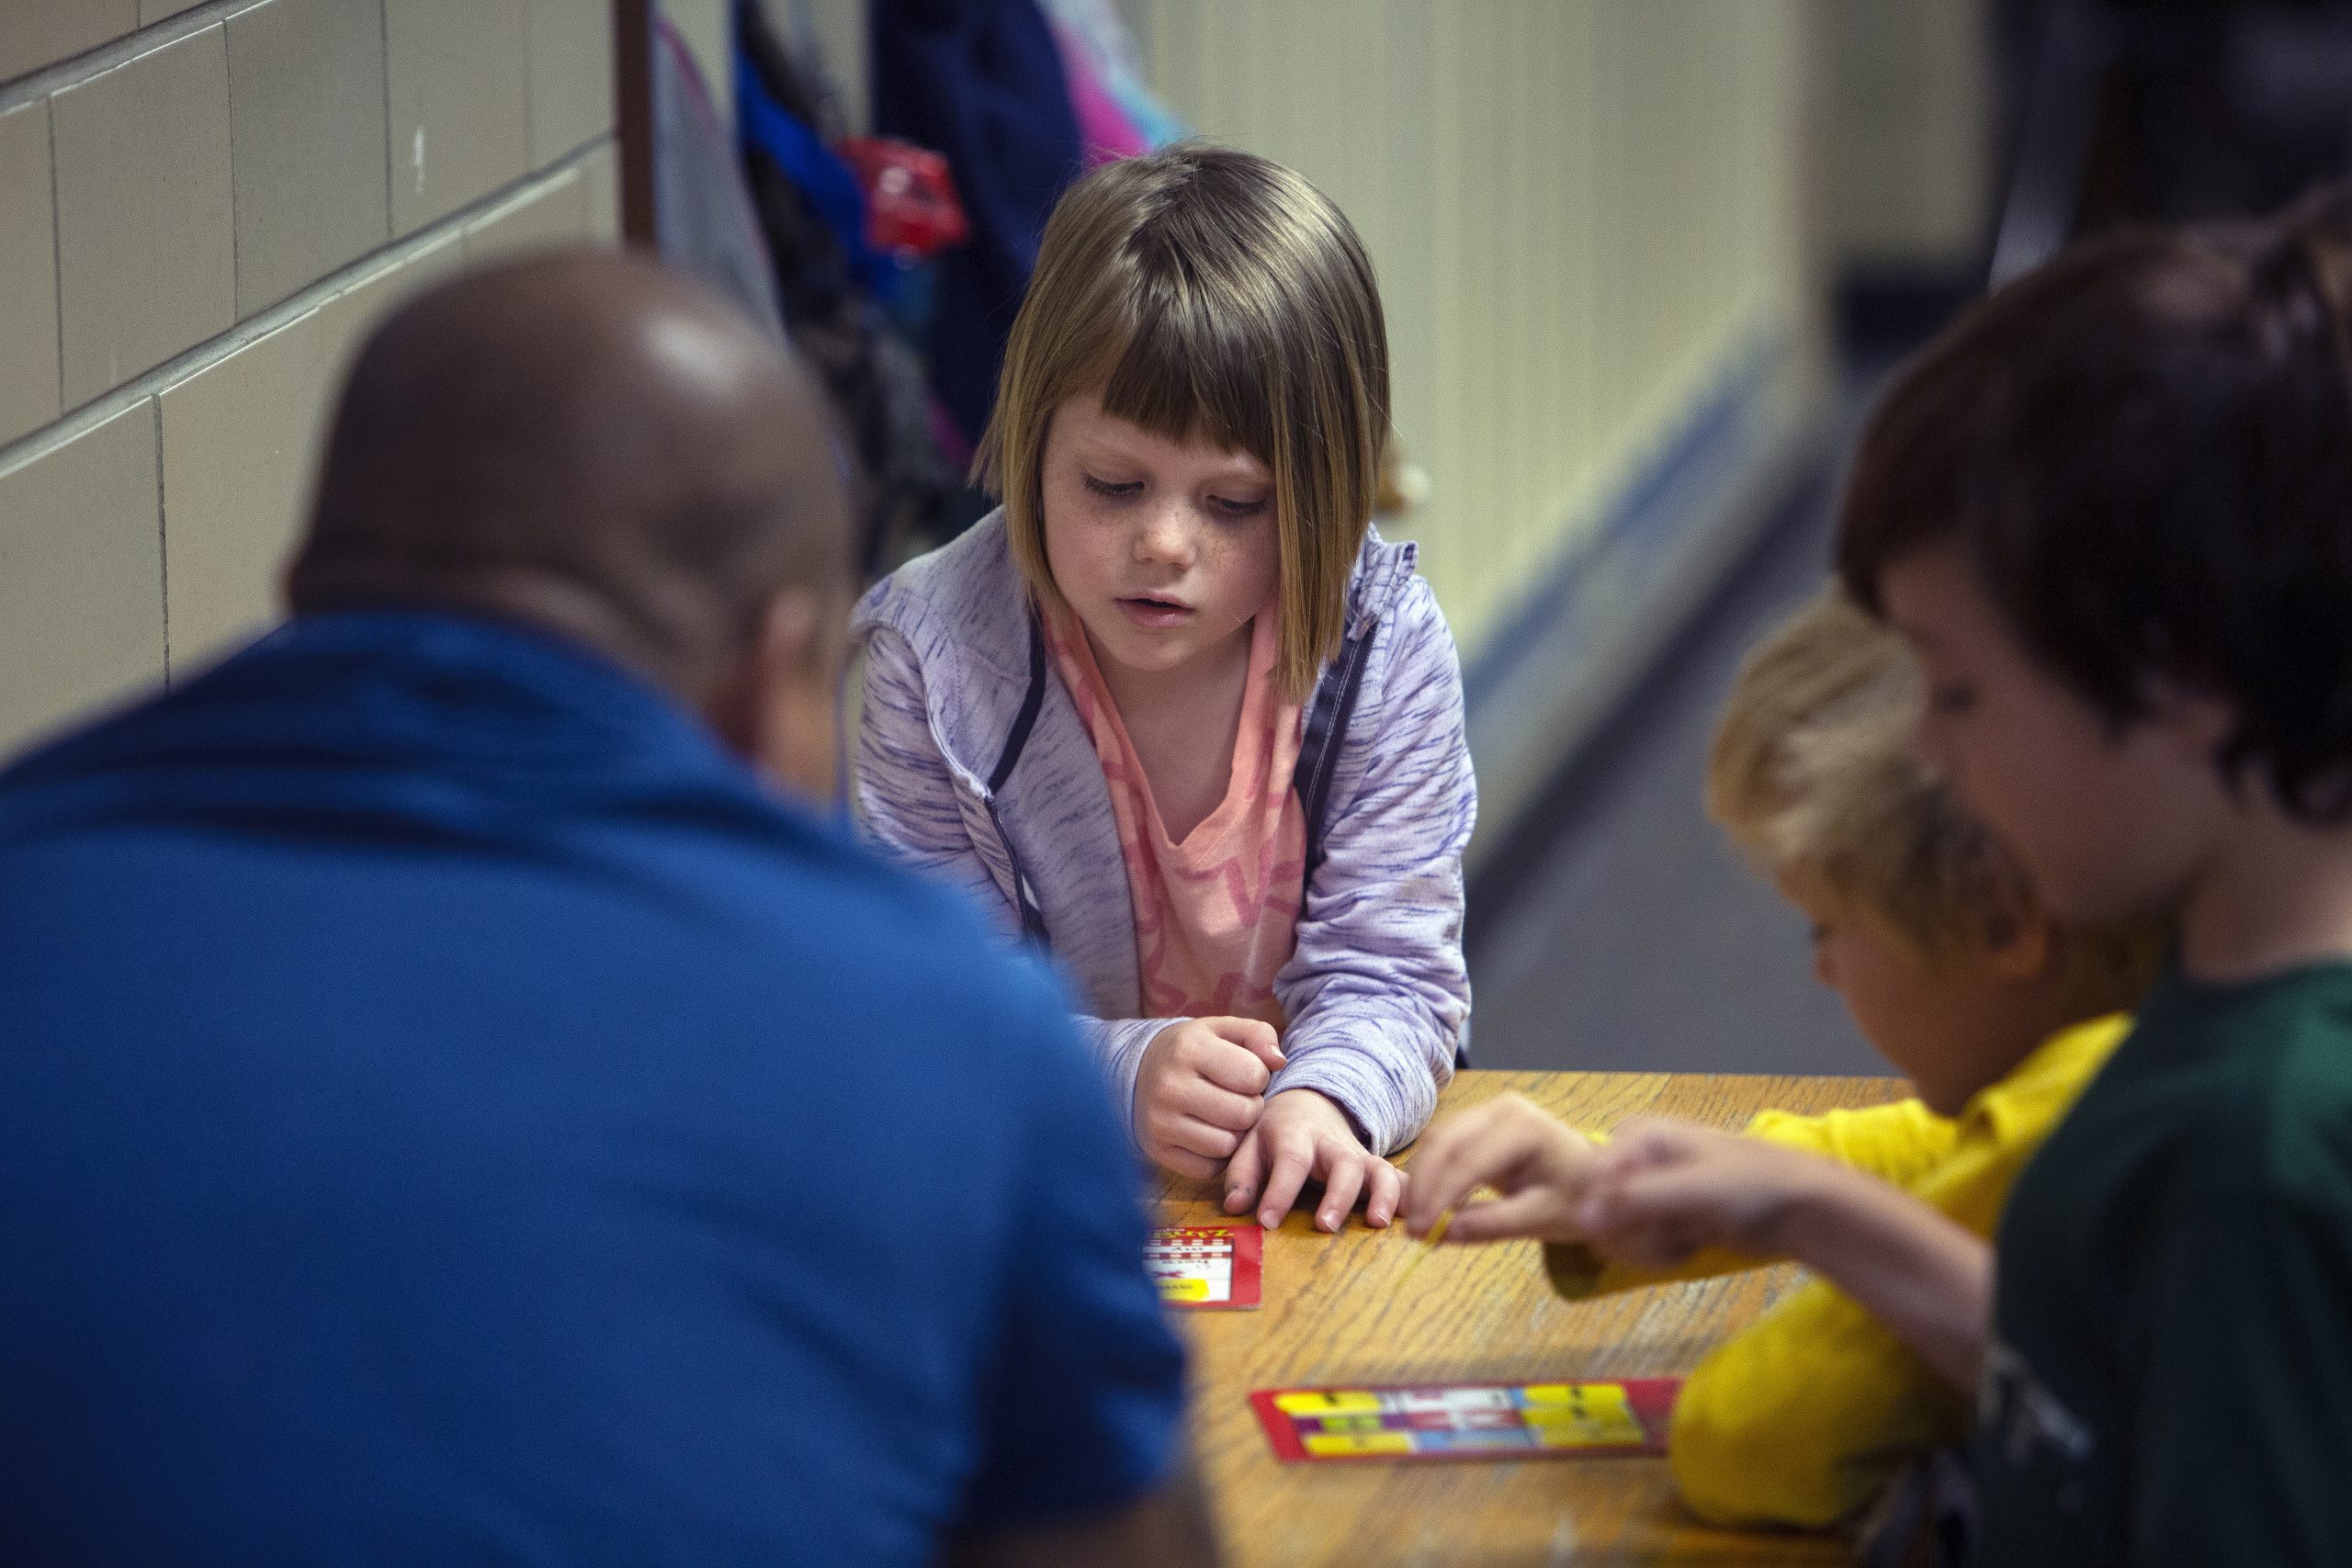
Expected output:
(1166, 537)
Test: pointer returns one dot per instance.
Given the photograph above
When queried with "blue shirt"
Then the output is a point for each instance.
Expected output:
(450, 1113)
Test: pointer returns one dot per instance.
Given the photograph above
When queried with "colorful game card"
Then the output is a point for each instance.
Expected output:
(1206, 1266)
(1447, 1421)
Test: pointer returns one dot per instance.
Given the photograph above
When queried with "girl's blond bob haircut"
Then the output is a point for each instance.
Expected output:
(1813, 776)
(1208, 296)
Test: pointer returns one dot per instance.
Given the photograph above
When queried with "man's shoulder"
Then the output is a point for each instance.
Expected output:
(834, 893)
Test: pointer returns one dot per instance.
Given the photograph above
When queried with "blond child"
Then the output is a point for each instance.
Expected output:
(1174, 710)
(1997, 1016)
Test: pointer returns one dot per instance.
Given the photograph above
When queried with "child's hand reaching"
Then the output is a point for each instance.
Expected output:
(1303, 1135)
(1662, 1190)
(1199, 1091)
(1536, 1161)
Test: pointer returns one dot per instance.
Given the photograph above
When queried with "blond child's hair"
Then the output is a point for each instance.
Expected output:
(1209, 295)
(1813, 774)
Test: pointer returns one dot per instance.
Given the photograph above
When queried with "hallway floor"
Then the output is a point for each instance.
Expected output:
(1635, 938)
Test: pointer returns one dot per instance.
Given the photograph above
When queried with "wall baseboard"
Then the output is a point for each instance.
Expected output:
(1549, 678)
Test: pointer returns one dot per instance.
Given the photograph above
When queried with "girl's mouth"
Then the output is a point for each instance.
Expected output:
(1156, 614)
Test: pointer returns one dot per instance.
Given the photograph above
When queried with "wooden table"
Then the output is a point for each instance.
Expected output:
(1335, 1315)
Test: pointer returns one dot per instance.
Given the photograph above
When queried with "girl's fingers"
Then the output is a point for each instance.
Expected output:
(1241, 1173)
(1292, 1158)
(1205, 1139)
(1185, 1163)
(1205, 1102)
(1383, 1190)
(1230, 1067)
(1340, 1189)
(1254, 1036)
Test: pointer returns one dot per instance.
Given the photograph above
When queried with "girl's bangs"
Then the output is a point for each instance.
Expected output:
(1189, 373)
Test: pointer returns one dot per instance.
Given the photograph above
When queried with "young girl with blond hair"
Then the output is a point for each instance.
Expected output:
(1175, 710)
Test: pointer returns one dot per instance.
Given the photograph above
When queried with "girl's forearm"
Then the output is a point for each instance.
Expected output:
(1923, 1276)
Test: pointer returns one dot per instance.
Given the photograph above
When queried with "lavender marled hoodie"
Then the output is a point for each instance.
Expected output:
(1376, 994)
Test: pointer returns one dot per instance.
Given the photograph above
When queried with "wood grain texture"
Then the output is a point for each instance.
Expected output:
(1334, 1315)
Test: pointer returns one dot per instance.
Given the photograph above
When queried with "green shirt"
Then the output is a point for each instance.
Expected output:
(2170, 1374)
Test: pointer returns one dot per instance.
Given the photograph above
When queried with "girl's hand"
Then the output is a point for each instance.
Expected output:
(1662, 1190)
(1536, 1161)
(1199, 1088)
(1303, 1135)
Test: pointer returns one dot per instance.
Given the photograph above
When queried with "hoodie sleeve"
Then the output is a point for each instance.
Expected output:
(907, 802)
(904, 795)
(1377, 993)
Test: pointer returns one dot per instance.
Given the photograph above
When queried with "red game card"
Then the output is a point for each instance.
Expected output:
(1448, 1421)
(1206, 1266)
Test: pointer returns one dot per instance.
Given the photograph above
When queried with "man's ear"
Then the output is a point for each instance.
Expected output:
(778, 708)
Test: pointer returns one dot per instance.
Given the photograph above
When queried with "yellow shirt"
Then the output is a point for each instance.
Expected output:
(1804, 1416)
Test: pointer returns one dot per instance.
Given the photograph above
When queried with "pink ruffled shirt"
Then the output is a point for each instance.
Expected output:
(1216, 916)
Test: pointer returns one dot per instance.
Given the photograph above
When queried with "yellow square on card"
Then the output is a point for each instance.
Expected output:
(1589, 1396)
(1619, 1433)
(1327, 1401)
(1176, 1288)
(1344, 1445)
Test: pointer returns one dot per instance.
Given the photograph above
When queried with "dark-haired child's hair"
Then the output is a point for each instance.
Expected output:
(2145, 447)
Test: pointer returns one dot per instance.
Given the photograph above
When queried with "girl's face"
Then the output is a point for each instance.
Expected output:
(1164, 552)
(2106, 821)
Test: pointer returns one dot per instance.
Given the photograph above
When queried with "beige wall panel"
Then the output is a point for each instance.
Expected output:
(146, 261)
(81, 577)
(306, 96)
(242, 440)
(34, 33)
(238, 438)
(156, 10)
(357, 308)
(557, 215)
(458, 77)
(571, 76)
(600, 181)
(27, 274)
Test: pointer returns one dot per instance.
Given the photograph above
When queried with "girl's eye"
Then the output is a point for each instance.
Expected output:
(1110, 491)
(1951, 700)
(1239, 508)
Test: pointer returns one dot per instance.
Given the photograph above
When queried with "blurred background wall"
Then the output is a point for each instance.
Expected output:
(1586, 217)
(203, 207)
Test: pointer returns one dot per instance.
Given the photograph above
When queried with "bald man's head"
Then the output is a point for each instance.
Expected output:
(585, 441)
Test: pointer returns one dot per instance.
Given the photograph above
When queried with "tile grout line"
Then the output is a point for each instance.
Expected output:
(56, 248)
(236, 238)
(74, 70)
(530, 139)
(87, 417)
(162, 535)
(384, 43)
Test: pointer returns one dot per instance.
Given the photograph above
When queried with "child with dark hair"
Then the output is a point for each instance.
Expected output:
(2111, 511)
